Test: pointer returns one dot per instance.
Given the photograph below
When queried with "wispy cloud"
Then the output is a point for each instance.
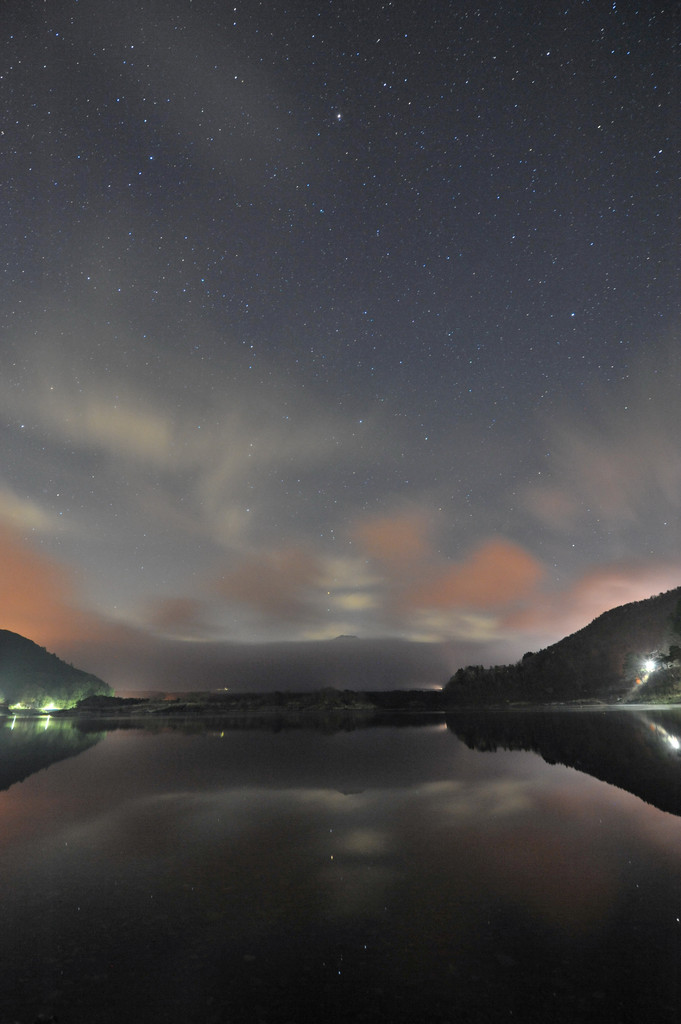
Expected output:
(614, 470)
(419, 584)
(279, 584)
(216, 454)
(24, 513)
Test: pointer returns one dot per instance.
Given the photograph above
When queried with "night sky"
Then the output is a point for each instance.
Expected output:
(327, 318)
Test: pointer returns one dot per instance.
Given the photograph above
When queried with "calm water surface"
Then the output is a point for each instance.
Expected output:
(378, 874)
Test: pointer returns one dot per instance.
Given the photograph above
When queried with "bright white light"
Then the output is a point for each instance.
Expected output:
(649, 665)
(673, 742)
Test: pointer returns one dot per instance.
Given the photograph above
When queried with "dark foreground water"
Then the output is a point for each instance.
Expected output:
(377, 874)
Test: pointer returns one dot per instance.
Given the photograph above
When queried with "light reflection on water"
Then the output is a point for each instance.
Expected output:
(372, 875)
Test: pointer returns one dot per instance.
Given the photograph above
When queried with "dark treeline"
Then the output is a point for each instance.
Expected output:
(224, 702)
(603, 662)
(32, 677)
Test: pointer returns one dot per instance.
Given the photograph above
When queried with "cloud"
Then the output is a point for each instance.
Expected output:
(437, 596)
(614, 471)
(497, 574)
(156, 493)
(39, 599)
(23, 513)
(411, 591)
(177, 615)
(37, 594)
(562, 612)
(394, 541)
(219, 458)
(125, 429)
(279, 584)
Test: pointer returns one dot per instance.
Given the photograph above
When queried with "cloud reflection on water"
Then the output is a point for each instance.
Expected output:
(398, 853)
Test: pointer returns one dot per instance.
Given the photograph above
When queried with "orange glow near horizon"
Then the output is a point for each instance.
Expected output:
(38, 598)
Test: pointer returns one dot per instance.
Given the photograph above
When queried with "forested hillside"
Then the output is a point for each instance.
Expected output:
(31, 677)
(628, 652)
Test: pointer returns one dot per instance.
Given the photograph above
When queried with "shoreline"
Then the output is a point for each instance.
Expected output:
(250, 705)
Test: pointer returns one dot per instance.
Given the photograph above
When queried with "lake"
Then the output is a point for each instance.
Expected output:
(475, 868)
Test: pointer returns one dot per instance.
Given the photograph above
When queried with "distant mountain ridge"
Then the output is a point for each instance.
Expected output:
(605, 660)
(32, 677)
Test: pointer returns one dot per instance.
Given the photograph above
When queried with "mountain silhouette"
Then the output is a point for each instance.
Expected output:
(33, 678)
(636, 642)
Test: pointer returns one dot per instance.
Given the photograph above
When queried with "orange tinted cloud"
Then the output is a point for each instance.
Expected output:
(39, 600)
(595, 592)
(276, 583)
(37, 595)
(394, 540)
(496, 574)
